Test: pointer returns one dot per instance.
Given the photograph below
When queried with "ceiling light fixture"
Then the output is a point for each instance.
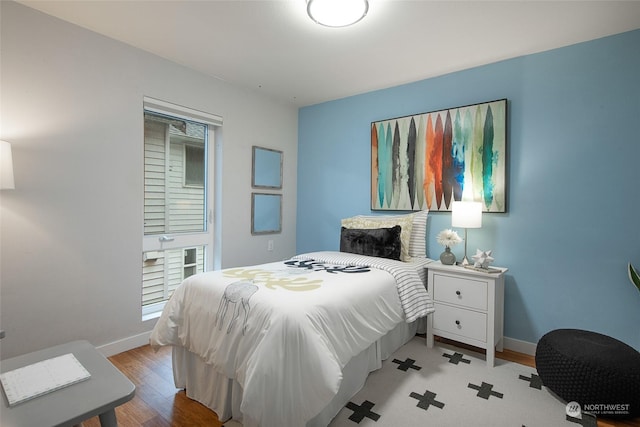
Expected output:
(337, 13)
(6, 167)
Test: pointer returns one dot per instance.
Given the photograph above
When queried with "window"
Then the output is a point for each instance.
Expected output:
(190, 264)
(193, 166)
(178, 229)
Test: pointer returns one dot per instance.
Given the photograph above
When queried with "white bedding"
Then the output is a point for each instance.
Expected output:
(298, 324)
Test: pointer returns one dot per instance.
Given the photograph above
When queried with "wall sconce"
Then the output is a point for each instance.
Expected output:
(466, 215)
(6, 167)
(337, 13)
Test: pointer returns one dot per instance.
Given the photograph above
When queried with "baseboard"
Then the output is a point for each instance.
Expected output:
(125, 344)
(520, 346)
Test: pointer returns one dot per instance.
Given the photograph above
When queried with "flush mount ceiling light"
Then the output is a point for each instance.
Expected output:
(337, 13)
(6, 167)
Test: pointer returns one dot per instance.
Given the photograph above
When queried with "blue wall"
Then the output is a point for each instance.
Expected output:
(573, 219)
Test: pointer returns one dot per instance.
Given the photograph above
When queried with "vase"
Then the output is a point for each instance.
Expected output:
(447, 257)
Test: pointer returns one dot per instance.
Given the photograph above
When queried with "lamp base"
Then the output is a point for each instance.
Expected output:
(465, 260)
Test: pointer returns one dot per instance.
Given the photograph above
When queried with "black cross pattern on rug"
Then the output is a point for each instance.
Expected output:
(534, 381)
(427, 399)
(456, 358)
(407, 364)
(362, 411)
(485, 391)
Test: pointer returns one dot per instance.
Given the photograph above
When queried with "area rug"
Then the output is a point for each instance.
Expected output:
(448, 386)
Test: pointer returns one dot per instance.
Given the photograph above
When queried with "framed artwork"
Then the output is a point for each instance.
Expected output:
(266, 213)
(266, 168)
(426, 161)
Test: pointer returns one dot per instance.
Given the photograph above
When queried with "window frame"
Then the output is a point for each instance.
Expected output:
(206, 238)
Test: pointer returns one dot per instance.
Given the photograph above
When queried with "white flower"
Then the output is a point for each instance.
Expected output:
(448, 238)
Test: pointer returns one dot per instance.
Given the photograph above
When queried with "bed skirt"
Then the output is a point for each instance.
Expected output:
(224, 395)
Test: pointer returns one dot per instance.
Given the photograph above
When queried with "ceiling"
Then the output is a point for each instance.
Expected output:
(274, 48)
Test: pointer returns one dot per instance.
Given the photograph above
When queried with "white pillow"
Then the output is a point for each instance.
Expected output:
(418, 238)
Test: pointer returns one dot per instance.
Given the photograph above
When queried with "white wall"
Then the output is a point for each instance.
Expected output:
(71, 231)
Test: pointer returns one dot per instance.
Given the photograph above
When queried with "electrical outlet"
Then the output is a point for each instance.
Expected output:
(270, 245)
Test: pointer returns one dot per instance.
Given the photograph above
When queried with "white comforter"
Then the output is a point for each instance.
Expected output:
(285, 330)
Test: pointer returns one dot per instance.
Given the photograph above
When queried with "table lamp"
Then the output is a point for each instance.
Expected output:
(466, 215)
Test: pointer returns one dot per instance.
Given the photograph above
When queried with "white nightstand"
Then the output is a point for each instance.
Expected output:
(469, 306)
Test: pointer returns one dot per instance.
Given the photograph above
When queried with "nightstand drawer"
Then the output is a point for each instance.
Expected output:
(456, 290)
(461, 322)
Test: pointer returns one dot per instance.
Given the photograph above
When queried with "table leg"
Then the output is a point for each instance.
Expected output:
(108, 418)
(491, 356)
(430, 331)
(430, 340)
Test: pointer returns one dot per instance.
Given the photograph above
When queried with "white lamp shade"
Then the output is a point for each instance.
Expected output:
(466, 214)
(6, 166)
(337, 13)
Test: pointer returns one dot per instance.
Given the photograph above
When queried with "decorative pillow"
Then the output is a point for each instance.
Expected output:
(380, 242)
(369, 222)
(418, 238)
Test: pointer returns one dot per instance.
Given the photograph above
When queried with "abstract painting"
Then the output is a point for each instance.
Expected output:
(426, 161)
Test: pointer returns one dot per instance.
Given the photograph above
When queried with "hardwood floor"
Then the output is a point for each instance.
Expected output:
(158, 403)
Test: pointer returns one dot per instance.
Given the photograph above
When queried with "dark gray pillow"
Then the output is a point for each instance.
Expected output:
(380, 242)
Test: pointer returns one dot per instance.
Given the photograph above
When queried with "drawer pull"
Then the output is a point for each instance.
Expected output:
(458, 293)
(458, 322)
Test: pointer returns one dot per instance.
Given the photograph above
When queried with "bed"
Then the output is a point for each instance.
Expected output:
(288, 343)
